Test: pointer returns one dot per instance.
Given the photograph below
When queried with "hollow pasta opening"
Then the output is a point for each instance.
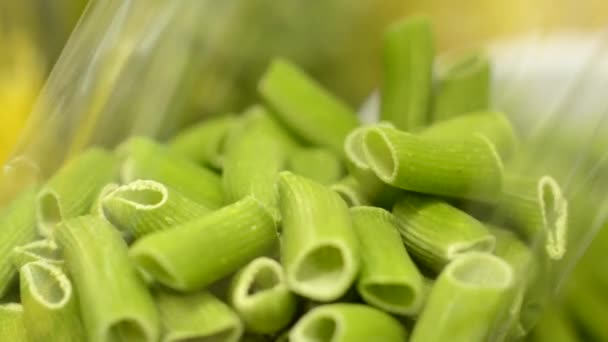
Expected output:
(481, 270)
(126, 330)
(380, 154)
(319, 329)
(46, 284)
(264, 279)
(49, 210)
(398, 295)
(322, 267)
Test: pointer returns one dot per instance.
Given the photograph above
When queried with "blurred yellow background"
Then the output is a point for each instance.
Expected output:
(33, 32)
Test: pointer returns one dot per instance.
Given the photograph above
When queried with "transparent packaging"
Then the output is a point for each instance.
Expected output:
(153, 67)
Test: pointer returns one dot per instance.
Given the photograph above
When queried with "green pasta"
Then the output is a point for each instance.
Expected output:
(254, 159)
(375, 190)
(388, 279)
(197, 316)
(144, 206)
(97, 207)
(436, 232)
(520, 258)
(491, 124)
(319, 249)
(146, 159)
(305, 107)
(347, 323)
(50, 307)
(468, 168)
(61, 198)
(114, 301)
(407, 59)
(318, 164)
(203, 143)
(261, 298)
(514, 252)
(351, 191)
(40, 250)
(224, 240)
(463, 87)
(468, 300)
(18, 226)
(11, 323)
(539, 210)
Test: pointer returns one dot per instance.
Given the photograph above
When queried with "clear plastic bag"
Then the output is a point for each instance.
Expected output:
(149, 68)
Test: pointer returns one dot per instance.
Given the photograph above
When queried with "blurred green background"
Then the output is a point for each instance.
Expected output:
(338, 42)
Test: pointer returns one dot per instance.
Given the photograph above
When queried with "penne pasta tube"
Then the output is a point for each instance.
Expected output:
(468, 300)
(344, 322)
(198, 316)
(388, 279)
(306, 108)
(50, 306)
(407, 62)
(493, 125)
(226, 240)
(60, 199)
(257, 152)
(145, 206)
(114, 301)
(143, 158)
(319, 249)
(260, 296)
(436, 232)
(468, 168)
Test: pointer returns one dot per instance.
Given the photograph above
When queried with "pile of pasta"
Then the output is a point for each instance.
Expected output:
(294, 221)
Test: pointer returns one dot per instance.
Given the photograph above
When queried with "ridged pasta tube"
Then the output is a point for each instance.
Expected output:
(114, 301)
(539, 209)
(389, 279)
(375, 190)
(260, 296)
(225, 240)
(436, 232)
(493, 125)
(144, 158)
(407, 60)
(307, 109)
(319, 251)
(196, 316)
(254, 159)
(60, 198)
(344, 322)
(467, 168)
(468, 300)
(144, 206)
(50, 305)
